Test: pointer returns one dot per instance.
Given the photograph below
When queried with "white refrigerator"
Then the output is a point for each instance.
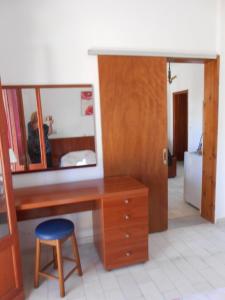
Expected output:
(193, 178)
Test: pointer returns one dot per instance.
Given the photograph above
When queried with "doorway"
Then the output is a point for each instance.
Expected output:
(180, 124)
(185, 118)
(134, 130)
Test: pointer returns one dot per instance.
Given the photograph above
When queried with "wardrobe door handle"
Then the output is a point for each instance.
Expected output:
(127, 217)
(165, 156)
(127, 235)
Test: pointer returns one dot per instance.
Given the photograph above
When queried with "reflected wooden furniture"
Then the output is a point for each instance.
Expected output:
(61, 146)
(56, 242)
(120, 213)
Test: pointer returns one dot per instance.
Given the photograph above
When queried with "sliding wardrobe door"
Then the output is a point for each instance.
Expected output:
(134, 126)
(10, 264)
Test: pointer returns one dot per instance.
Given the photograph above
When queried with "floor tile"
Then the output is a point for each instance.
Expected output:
(187, 262)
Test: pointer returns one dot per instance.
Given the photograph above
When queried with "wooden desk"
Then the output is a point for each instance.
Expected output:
(120, 213)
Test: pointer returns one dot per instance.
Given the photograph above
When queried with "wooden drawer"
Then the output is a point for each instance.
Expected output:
(125, 211)
(125, 235)
(125, 217)
(125, 202)
(125, 255)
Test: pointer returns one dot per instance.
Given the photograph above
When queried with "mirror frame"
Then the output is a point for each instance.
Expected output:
(37, 87)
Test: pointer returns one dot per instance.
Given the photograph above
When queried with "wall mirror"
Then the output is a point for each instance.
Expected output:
(50, 127)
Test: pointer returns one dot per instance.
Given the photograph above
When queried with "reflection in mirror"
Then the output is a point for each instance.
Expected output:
(68, 115)
(15, 120)
(50, 127)
(33, 148)
(4, 227)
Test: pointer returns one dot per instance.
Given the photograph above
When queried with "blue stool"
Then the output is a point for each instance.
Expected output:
(54, 233)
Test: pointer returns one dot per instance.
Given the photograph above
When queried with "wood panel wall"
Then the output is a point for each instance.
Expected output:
(211, 95)
(134, 125)
(61, 146)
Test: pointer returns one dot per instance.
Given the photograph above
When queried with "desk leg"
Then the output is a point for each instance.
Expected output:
(97, 215)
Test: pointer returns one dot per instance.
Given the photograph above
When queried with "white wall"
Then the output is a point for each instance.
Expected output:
(220, 191)
(189, 77)
(64, 105)
(46, 41)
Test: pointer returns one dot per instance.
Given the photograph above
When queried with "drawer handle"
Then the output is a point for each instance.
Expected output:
(128, 253)
(127, 217)
(127, 235)
(126, 201)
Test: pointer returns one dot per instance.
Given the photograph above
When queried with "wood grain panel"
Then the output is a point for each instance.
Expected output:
(98, 228)
(37, 197)
(125, 255)
(134, 125)
(30, 214)
(210, 139)
(125, 235)
(7, 275)
(61, 146)
(126, 217)
(124, 203)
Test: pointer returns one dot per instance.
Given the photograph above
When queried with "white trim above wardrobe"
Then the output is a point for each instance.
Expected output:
(133, 52)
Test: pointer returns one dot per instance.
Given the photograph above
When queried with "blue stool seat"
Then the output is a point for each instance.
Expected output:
(55, 229)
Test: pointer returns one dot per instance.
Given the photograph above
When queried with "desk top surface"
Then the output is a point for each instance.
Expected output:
(75, 192)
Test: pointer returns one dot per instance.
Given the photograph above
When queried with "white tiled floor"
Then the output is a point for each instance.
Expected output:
(184, 261)
(187, 262)
(177, 207)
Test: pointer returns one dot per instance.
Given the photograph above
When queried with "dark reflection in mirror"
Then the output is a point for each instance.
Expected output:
(33, 141)
(33, 148)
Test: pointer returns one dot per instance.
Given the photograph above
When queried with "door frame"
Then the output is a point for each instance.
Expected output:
(174, 137)
(210, 132)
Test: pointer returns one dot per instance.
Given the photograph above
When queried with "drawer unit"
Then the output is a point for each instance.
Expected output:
(125, 222)
(121, 224)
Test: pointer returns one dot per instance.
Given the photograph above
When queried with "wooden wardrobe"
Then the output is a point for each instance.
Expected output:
(134, 124)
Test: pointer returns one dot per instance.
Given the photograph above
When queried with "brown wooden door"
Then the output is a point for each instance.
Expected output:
(10, 265)
(180, 124)
(134, 125)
